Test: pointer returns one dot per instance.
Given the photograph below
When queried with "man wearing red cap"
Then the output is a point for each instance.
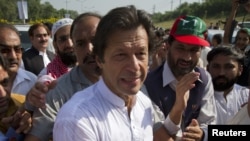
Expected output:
(183, 91)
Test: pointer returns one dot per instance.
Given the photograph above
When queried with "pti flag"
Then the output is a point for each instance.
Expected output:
(22, 9)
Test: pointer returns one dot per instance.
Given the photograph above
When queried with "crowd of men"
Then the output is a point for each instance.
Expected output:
(115, 77)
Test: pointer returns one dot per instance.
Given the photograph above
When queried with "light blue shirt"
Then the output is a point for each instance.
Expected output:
(23, 82)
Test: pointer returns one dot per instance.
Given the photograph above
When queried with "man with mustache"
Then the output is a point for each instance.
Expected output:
(80, 77)
(16, 83)
(225, 64)
(37, 57)
(20, 80)
(114, 108)
(183, 91)
(65, 58)
(15, 122)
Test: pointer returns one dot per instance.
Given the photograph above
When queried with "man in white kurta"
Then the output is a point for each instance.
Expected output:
(114, 108)
(225, 65)
(97, 114)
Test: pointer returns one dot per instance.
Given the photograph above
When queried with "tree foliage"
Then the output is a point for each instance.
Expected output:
(36, 11)
(207, 9)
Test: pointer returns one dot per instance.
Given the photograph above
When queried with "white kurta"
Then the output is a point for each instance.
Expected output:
(97, 114)
(227, 108)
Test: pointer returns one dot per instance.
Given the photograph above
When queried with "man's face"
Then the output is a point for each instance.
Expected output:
(182, 58)
(40, 38)
(214, 43)
(242, 41)
(10, 47)
(82, 36)
(224, 71)
(64, 46)
(125, 61)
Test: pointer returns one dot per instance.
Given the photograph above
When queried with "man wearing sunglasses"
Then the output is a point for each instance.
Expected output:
(20, 80)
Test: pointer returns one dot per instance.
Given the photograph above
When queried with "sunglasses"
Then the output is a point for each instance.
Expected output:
(5, 49)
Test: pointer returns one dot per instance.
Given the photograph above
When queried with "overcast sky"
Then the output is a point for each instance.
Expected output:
(103, 6)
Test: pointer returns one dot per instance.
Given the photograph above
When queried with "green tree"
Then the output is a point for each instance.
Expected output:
(8, 10)
(207, 9)
(36, 11)
(48, 11)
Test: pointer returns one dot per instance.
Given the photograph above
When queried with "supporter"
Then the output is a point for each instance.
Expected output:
(242, 44)
(14, 122)
(211, 26)
(37, 57)
(242, 41)
(65, 57)
(110, 108)
(225, 66)
(216, 41)
(159, 54)
(217, 26)
(20, 80)
(183, 91)
(81, 76)
(231, 23)
(243, 116)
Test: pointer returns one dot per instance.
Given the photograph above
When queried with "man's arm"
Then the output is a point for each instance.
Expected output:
(43, 118)
(35, 98)
(161, 134)
(208, 113)
(172, 123)
(21, 121)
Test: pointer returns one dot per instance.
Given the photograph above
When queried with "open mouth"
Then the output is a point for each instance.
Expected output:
(184, 65)
(130, 81)
(89, 60)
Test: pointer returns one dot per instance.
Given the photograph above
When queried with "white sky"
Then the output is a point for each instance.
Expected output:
(103, 6)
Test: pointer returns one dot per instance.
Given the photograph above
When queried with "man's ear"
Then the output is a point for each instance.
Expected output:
(99, 61)
(240, 70)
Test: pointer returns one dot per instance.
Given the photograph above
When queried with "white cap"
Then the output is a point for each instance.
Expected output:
(59, 24)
